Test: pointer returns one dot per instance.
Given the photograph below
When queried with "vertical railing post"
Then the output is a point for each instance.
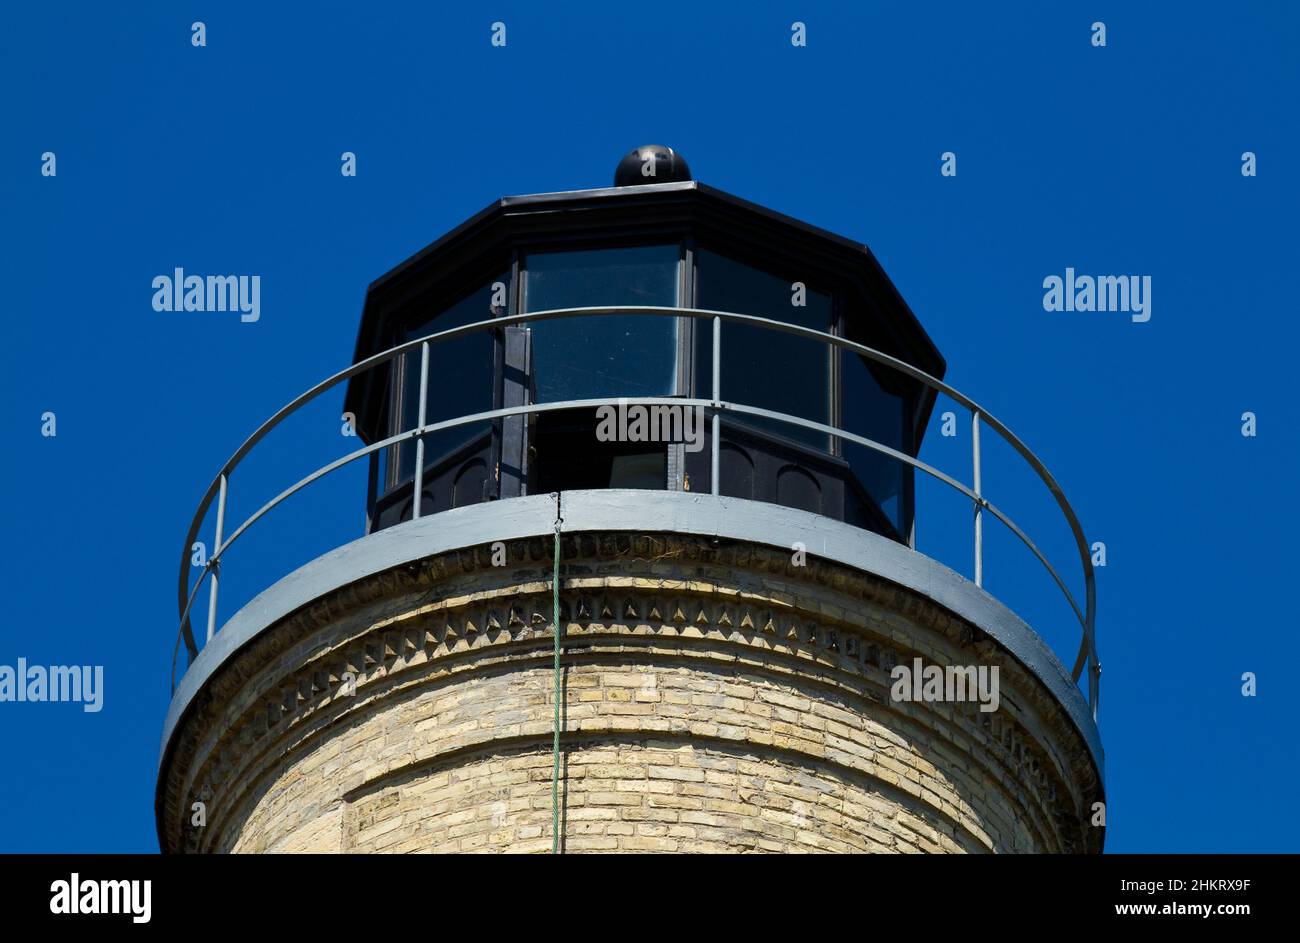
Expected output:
(977, 487)
(214, 559)
(372, 490)
(419, 439)
(717, 410)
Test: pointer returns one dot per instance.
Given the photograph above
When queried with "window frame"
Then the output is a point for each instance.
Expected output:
(405, 321)
(849, 309)
(596, 244)
(683, 350)
(763, 264)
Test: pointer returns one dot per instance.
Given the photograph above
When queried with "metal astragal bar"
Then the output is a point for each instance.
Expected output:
(715, 446)
(417, 491)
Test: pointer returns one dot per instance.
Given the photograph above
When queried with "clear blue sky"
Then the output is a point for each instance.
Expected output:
(1117, 160)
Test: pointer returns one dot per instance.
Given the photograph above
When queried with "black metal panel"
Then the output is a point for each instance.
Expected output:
(760, 466)
(464, 477)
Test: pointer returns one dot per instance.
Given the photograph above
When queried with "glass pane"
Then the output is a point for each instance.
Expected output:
(762, 367)
(612, 355)
(877, 414)
(460, 378)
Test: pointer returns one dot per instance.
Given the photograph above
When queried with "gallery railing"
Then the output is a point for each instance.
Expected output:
(715, 405)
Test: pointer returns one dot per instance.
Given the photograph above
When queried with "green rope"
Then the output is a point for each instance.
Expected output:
(555, 748)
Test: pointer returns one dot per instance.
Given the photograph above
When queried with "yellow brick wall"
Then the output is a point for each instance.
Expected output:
(708, 706)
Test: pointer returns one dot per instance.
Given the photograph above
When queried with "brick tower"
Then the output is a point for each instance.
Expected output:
(752, 653)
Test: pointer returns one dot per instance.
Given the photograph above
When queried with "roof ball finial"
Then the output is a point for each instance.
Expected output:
(651, 163)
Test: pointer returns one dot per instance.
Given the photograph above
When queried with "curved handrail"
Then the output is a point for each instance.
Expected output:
(1087, 616)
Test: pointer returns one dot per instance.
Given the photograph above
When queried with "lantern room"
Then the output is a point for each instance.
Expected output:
(553, 318)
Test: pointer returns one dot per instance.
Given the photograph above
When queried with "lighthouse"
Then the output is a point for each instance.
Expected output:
(636, 569)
